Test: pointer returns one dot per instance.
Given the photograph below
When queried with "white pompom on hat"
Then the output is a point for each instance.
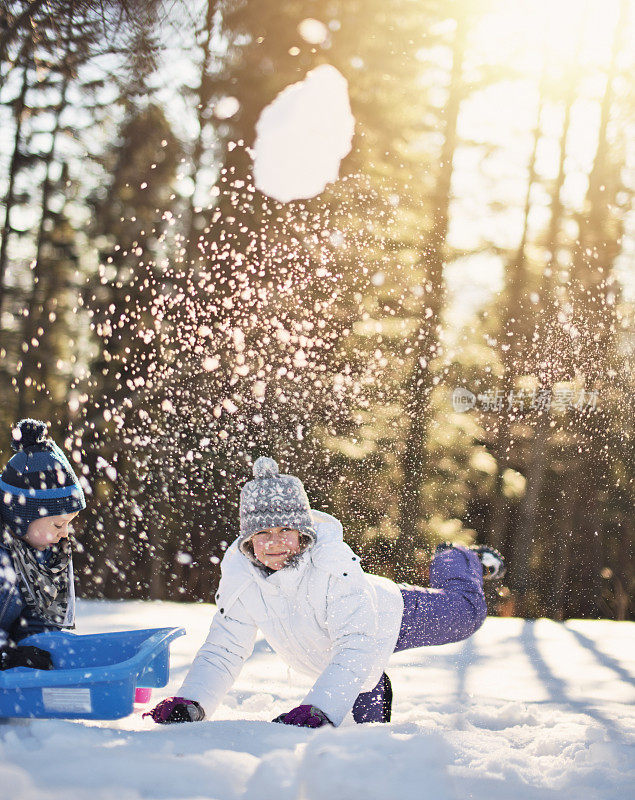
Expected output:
(265, 467)
(273, 500)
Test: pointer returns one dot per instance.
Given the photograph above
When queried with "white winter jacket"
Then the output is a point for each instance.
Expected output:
(325, 617)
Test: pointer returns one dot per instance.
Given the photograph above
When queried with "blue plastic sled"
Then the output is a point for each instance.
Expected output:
(95, 676)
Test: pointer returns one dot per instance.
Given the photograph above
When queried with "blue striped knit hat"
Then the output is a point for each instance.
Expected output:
(38, 480)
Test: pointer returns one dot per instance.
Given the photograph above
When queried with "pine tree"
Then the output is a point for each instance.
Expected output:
(125, 304)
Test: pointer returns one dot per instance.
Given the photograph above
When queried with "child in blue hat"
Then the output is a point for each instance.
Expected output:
(39, 496)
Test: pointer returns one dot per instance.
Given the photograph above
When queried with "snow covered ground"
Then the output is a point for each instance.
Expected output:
(524, 709)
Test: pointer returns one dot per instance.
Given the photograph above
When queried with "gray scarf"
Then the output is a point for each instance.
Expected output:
(45, 586)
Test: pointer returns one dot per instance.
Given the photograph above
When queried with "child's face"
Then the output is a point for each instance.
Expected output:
(275, 546)
(46, 531)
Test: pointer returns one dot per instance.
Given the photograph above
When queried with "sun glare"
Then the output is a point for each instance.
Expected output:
(536, 53)
(564, 34)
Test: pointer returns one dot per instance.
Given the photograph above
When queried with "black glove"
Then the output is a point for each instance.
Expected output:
(15, 656)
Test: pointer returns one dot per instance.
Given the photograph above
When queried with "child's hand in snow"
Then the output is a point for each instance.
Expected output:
(176, 709)
(304, 717)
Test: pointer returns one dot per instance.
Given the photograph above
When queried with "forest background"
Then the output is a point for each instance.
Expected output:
(440, 345)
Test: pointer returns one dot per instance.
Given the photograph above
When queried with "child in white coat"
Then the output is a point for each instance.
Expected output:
(290, 575)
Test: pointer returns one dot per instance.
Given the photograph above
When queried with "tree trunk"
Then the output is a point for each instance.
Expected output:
(35, 303)
(202, 107)
(419, 385)
(590, 542)
(562, 556)
(598, 245)
(513, 335)
(9, 198)
(546, 355)
(623, 574)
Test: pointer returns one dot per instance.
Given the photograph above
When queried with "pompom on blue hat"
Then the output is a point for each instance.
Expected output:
(38, 481)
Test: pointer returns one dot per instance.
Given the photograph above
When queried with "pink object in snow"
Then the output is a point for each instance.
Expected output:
(142, 695)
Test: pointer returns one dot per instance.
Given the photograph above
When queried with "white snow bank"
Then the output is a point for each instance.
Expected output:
(302, 136)
(522, 710)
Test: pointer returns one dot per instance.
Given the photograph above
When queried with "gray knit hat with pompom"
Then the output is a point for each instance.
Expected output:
(272, 500)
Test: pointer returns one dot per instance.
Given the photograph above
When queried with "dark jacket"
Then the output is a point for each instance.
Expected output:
(16, 619)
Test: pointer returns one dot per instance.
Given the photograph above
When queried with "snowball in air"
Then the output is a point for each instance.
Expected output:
(303, 135)
(210, 363)
(313, 31)
(226, 108)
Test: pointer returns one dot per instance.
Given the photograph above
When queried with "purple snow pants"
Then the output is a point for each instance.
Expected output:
(452, 609)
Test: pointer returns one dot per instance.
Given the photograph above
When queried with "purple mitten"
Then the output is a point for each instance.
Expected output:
(176, 709)
(304, 717)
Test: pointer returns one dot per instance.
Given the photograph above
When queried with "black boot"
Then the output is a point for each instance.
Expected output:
(493, 562)
(376, 705)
